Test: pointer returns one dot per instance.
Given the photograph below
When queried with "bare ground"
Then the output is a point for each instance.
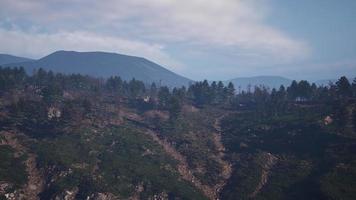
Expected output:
(226, 166)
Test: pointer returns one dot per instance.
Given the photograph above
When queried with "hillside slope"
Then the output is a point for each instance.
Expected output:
(102, 64)
(6, 59)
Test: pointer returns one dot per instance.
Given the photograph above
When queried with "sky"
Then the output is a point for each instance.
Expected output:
(199, 39)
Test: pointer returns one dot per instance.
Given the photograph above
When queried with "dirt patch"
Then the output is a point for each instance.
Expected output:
(220, 148)
(162, 115)
(190, 108)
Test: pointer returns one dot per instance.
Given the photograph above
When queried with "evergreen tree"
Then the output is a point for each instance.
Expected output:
(174, 107)
(230, 91)
(114, 84)
(220, 92)
(304, 90)
(163, 97)
(354, 119)
(281, 93)
(354, 88)
(52, 93)
(343, 87)
(292, 90)
(136, 88)
(153, 90)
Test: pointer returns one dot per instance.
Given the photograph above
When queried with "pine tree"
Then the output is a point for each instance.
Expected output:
(354, 119)
(343, 87)
(163, 97)
(304, 89)
(230, 91)
(174, 107)
(292, 90)
(354, 88)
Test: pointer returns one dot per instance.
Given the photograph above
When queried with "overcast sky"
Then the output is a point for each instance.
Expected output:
(200, 39)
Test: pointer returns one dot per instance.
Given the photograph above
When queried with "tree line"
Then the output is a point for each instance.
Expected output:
(51, 86)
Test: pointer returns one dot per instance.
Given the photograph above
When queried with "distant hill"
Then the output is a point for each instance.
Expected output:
(103, 64)
(268, 81)
(7, 59)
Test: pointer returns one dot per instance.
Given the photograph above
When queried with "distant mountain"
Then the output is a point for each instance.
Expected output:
(103, 64)
(7, 59)
(268, 81)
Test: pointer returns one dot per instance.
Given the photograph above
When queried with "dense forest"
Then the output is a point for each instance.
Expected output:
(70, 136)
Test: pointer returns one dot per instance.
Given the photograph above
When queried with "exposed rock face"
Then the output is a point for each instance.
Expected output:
(54, 113)
(328, 120)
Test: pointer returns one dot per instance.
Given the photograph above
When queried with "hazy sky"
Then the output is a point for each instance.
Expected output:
(213, 39)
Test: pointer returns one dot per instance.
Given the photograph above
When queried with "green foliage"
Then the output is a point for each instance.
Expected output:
(314, 160)
(306, 152)
(354, 119)
(126, 158)
(343, 87)
(163, 97)
(340, 182)
(12, 78)
(12, 169)
(52, 93)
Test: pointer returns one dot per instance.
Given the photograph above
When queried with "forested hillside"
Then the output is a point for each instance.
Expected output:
(79, 137)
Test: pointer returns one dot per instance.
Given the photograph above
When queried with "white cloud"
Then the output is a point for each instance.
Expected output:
(224, 23)
(34, 44)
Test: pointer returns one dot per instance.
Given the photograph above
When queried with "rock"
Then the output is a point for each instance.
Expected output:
(243, 145)
(328, 120)
(53, 113)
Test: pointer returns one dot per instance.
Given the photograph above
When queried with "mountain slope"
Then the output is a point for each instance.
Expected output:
(102, 64)
(269, 81)
(6, 59)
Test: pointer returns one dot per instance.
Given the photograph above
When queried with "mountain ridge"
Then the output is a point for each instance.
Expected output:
(105, 64)
(7, 59)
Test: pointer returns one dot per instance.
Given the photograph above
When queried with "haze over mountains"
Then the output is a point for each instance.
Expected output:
(103, 64)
